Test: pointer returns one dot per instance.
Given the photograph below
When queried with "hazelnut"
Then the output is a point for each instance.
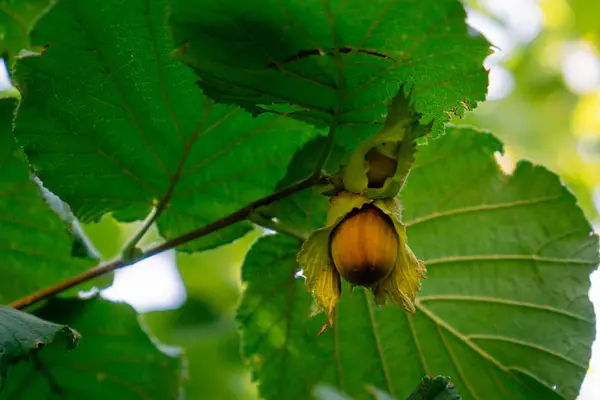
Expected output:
(381, 167)
(364, 246)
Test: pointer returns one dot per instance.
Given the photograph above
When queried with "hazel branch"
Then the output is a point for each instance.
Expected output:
(104, 268)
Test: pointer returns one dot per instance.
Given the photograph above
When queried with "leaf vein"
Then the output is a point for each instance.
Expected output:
(507, 302)
(522, 343)
(483, 207)
(509, 257)
(159, 72)
(384, 366)
(485, 355)
(456, 363)
(413, 333)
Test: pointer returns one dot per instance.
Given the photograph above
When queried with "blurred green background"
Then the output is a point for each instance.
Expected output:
(545, 87)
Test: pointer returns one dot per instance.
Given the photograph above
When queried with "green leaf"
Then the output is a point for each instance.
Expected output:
(23, 335)
(504, 311)
(115, 359)
(335, 63)
(279, 339)
(215, 370)
(36, 248)
(16, 19)
(111, 123)
(204, 325)
(513, 265)
(83, 246)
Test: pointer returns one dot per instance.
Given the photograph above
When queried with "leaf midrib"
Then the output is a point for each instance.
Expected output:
(484, 354)
(377, 339)
(483, 207)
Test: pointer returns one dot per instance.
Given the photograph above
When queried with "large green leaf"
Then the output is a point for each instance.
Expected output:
(215, 370)
(504, 312)
(335, 62)
(278, 338)
(23, 335)
(114, 360)
(111, 123)
(204, 326)
(36, 248)
(16, 19)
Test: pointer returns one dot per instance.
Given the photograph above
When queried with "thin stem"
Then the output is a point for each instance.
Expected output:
(104, 268)
(128, 251)
(129, 248)
(277, 226)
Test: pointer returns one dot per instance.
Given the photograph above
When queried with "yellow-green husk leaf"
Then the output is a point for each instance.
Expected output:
(322, 279)
(403, 284)
(341, 204)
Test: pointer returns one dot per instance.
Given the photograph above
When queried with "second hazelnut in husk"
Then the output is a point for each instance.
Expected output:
(380, 168)
(364, 246)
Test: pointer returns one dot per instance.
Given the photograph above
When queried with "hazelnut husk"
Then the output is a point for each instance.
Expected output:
(363, 241)
(364, 246)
